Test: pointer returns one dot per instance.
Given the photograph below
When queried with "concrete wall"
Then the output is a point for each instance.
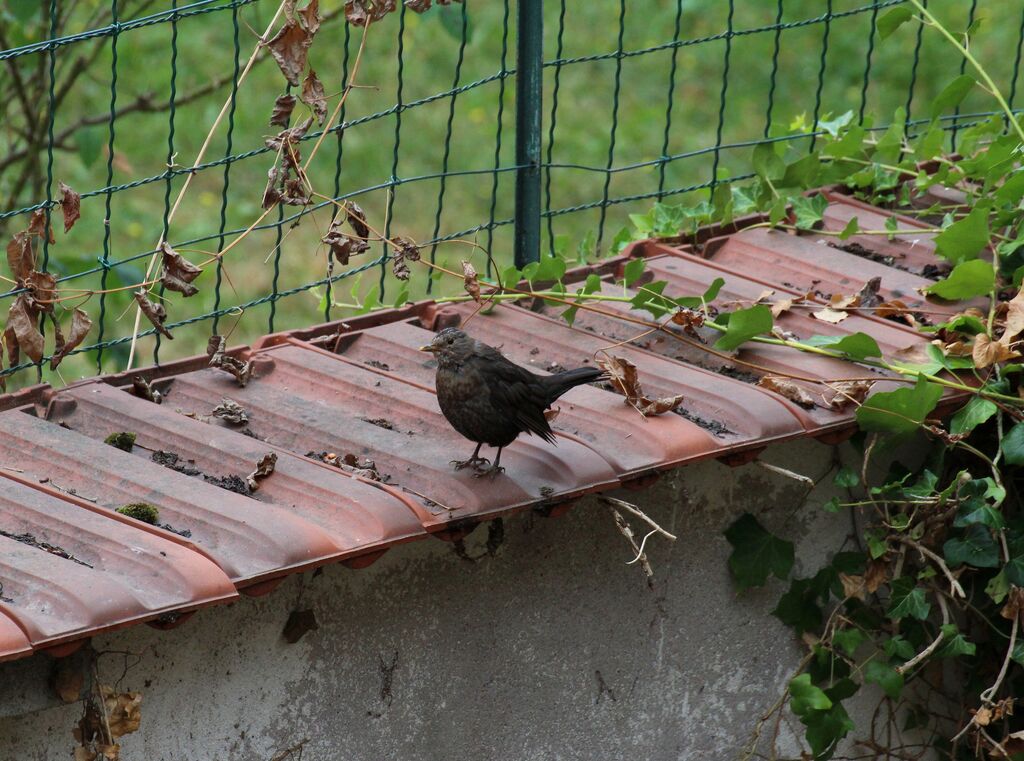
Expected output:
(549, 648)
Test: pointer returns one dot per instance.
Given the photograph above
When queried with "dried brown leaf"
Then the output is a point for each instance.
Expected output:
(37, 225)
(764, 296)
(283, 107)
(365, 12)
(849, 392)
(13, 350)
(891, 308)
(81, 324)
(1014, 603)
(987, 352)
(178, 272)
(22, 325)
(876, 575)
(830, 315)
(623, 376)
(68, 680)
(689, 319)
(404, 251)
(651, 407)
(782, 305)
(357, 218)
(20, 255)
(552, 413)
(123, 715)
(290, 48)
(419, 6)
(215, 349)
(313, 95)
(470, 281)
(42, 288)
(144, 390)
(155, 313)
(231, 412)
(264, 467)
(838, 301)
(1014, 318)
(786, 388)
(868, 296)
(983, 716)
(853, 586)
(341, 245)
(70, 206)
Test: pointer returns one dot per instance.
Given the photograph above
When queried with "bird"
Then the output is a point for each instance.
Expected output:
(491, 400)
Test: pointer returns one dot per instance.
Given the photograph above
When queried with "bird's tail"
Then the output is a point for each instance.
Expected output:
(561, 382)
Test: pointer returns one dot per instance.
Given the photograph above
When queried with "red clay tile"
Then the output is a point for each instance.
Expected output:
(307, 399)
(806, 263)
(13, 642)
(358, 517)
(116, 574)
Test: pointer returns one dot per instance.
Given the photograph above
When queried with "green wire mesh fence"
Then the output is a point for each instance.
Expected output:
(524, 129)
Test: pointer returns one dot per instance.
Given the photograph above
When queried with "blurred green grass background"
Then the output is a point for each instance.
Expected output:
(586, 107)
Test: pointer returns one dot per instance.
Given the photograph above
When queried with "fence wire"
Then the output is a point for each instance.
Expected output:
(641, 102)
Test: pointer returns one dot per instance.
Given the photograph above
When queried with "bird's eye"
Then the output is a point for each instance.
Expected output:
(450, 340)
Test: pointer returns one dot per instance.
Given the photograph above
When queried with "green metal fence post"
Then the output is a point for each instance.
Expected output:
(529, 101)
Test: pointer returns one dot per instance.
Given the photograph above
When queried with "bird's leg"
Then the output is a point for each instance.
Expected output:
(494, 470)
(475, 460)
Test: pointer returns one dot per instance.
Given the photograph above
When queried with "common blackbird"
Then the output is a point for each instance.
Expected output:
(490, 400)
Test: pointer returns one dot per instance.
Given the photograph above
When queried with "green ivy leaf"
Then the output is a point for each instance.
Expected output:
(622, 239)
(633, 270)
(899, 412)
(965, 238)
(898, 647)
(846, 478)
(825, 729)
(835, 126)
(886, 677)
(805, 697)
(956, 644)
(712, 292)
(976, 547)
(798, 607)
(967, 280)
(907, 599)
(973, 414)
(998, 587)
(1013, 445)
(848, 640)
(851, 229)
(809, 211)
(833, 505)
(650, 297)
(855, 345)
(767, 163)
(952, 95)
(1014, 571)
(743, 325)
(893, 20)
(756, 553)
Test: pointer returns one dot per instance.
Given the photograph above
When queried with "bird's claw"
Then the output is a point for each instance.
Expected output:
(490, 472)
(473, 462)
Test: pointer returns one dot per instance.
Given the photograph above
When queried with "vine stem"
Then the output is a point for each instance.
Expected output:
(993, 90)
(188, 178)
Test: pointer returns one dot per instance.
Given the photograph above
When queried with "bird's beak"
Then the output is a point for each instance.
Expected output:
(429, 347)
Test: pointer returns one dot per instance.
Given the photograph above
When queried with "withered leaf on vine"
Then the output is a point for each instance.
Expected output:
(623, 376)
(290, 46)
(404, 251)
(219, 358)
(364, 12)
(20, 255)
(37, 225)
(786, 388)
(81, 324)
(264, 467)
(22, 322)
(470, 281)
(70, 206)
(155, 313)
(283, 107)
(178, 272)
(421, 6)
(42, 287)
(357, 218)
(341, 245)
(313, 95)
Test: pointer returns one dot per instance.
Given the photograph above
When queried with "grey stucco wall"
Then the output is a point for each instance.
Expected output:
(551, 648)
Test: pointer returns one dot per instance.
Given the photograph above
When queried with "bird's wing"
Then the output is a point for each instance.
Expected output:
(515, 392)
